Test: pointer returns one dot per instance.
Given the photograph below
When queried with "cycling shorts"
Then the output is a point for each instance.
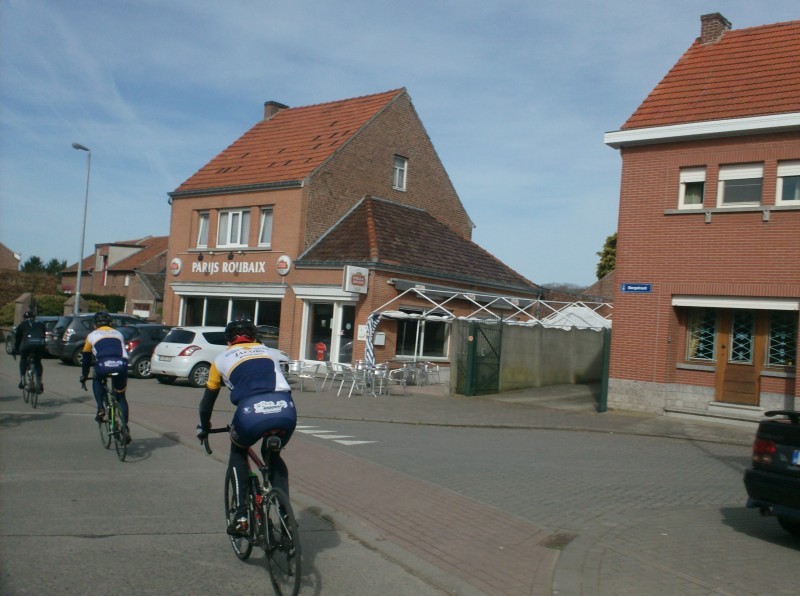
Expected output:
(258, 414)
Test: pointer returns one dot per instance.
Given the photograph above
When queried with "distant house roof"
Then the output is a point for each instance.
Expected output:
(153, 246)
(287, 146)
(737, 74)
(396, 237)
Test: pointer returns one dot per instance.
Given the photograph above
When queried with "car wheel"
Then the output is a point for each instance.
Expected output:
(165, 379)
(790, 525)
(77, 358)
(9, 344)
(198, 377)
(141, 368)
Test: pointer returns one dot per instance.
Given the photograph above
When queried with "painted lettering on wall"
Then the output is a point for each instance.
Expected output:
(211, 267)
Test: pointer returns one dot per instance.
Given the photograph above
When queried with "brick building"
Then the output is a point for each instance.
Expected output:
(134, 269)
(317, 216)
(9, 260)
(708, 281)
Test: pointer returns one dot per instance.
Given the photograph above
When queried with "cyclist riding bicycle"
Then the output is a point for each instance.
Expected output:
(263, 403)
(107, 345)
(29, 339)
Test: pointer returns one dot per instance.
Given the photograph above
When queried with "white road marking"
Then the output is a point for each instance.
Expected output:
(327, 434)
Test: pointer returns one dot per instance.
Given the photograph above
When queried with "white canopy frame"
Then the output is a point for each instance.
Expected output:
(523, 311)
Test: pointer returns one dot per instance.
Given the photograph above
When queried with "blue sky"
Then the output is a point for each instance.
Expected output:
(515, 94)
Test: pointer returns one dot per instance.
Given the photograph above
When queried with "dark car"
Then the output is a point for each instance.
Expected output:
(69, 334)
(140, 341)
(49, 324)
(773, 481)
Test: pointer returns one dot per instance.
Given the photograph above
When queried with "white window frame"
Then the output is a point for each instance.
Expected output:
(786, 169)
(265, 227)
(738, 172)
(688, 176)
(236, 224)
(202, 229)
(400, 173)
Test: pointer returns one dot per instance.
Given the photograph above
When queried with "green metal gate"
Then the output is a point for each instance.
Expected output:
(479, 357)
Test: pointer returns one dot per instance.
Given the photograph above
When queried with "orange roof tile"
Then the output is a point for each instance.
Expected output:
(375, 231)
(748, 72)
(289, 145)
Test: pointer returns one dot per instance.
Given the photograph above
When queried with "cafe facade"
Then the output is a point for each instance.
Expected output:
(318, 216)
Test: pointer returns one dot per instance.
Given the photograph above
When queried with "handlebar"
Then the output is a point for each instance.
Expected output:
(211, 431)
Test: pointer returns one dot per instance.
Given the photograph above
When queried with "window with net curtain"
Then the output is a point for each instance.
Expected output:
(233, 228)
(692, 188)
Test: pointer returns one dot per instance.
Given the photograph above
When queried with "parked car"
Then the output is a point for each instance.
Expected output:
(773, 481)
(187, 353)
(69, 334)
(49, 323)
(140, 341)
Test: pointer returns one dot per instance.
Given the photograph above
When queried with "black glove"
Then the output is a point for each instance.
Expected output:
(202, 433)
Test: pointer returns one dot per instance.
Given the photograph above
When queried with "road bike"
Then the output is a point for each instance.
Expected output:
(271, 524)
(112, 427)
(31, 382)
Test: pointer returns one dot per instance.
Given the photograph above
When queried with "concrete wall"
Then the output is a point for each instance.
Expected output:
(539, 356)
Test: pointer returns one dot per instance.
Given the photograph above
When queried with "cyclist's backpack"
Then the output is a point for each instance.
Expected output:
(34, 335)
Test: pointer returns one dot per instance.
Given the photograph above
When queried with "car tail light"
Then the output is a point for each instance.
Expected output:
(763, 450)
(131, 345)
(67, 334)
(189, 350)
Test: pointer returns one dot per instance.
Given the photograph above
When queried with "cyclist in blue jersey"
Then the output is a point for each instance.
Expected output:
(106, 346)
(263, 403)
(29, 338)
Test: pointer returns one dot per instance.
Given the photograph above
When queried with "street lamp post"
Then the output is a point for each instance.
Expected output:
(76, 306)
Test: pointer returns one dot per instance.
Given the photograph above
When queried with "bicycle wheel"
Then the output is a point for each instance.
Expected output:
(26, 385)
(242, 545)
(283, 544)
(34, 388)
(105, 426)
(118, 431)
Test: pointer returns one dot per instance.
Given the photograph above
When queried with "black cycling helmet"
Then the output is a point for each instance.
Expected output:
(29, 315)
(240, 330)
(102, 319)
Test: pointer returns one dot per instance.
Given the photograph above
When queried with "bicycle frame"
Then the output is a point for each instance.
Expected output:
(273, 526)
(113, 427)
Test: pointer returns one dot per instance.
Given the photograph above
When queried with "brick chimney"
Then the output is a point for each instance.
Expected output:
(271, 108)
(712, 26)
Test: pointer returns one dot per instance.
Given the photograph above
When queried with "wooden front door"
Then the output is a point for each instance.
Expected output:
(740, 357)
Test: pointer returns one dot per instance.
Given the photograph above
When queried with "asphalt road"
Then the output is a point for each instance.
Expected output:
(384, 508)
(75, 520)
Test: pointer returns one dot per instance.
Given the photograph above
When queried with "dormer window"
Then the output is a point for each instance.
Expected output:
(400, 173)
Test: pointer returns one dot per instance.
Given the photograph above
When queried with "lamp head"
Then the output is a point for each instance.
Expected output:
(81, 147)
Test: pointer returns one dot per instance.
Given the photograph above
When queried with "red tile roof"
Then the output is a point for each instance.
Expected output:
(289, 145)
(152, 247)
(748, 72)
(408, 239)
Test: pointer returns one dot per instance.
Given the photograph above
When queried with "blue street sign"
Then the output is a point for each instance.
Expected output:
(637, 288)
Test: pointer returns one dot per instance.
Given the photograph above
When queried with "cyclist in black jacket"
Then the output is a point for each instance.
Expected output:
(29, 339)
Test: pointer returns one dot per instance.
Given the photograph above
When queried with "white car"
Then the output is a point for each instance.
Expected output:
(187, 353)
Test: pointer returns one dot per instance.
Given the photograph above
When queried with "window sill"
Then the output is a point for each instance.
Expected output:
(749, 209)
(700, 367)
(780, 374)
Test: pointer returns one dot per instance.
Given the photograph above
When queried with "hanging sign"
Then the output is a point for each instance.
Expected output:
(355, 279)
(284, 265)
(175, 266)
